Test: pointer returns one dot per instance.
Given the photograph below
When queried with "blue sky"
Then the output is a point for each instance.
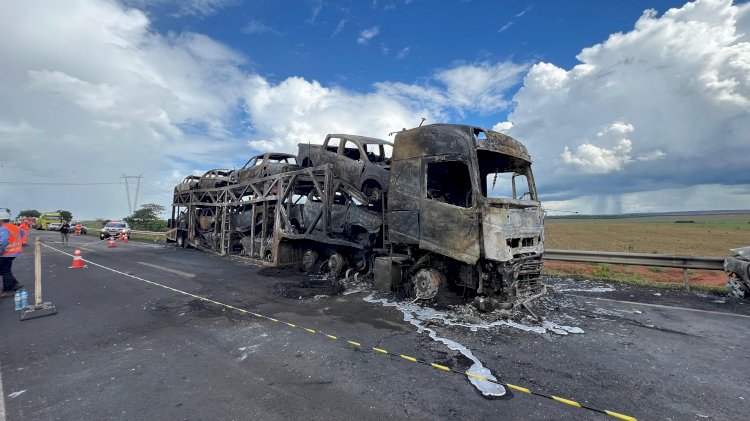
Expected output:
(300, 38)
(625, 106)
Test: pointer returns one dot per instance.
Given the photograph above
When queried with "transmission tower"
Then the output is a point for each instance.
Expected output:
(134, 206)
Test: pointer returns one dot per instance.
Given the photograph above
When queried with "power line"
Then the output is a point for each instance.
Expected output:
(55, 184)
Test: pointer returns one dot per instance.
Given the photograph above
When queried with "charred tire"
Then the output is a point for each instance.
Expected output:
(335, 265)
(426, 284)
(269, 257)
(737, 288)
(180, 241)
(372, 190)
(309, 260)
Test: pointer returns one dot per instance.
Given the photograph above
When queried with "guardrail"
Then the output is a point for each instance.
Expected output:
(147, 232)
(639, 259)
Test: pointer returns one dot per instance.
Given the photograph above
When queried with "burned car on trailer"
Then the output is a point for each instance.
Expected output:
(264, 165)
(360, 161)
(213, 179)
(188, 183)
(737, 267)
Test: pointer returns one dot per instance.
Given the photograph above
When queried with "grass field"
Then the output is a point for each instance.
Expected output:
(707, 235)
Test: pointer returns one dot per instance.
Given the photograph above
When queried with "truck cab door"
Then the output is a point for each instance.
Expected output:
(449, 224)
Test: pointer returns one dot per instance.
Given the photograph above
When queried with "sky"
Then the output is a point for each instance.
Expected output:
(625, 105)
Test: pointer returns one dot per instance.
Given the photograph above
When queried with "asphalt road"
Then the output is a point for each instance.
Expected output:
(120, 348)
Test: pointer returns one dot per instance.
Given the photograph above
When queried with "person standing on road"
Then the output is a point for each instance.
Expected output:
(11, 238)
(78, 228)
(25, 228)
(64, 231)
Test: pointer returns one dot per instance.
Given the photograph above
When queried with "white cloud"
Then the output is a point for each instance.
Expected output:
(259, 27)
(366, 35)
(185, 7)
(403, 53)
(317, 7)
(505, 27)
(123, 100)
(673, 97)
(594, 159)
(339, 27)
(483, 86)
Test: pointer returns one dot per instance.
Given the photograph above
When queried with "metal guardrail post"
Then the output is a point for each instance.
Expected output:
(687, 278)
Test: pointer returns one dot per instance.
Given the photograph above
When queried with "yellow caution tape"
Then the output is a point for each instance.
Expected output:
(406, 357)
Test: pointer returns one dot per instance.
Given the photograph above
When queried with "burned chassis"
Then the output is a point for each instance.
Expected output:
(275, 235)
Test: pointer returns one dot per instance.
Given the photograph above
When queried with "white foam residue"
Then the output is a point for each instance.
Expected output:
(415, 314)
(592, 289)
(16, 394)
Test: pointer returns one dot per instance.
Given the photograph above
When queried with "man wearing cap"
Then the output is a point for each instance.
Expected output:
(11, 238)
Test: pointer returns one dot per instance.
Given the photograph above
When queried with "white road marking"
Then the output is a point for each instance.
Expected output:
(2, 400)
(721, 313)
(175, 271)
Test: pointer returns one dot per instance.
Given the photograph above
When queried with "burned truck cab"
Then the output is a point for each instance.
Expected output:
(464, 208)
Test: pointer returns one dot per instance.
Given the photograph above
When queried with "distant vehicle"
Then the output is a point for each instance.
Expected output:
(264, 165)
(737, 267)
(363, 162)
(114, 228)
(42, 223)
(54, 226)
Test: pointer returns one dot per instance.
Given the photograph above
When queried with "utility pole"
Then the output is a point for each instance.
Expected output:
(134, 206)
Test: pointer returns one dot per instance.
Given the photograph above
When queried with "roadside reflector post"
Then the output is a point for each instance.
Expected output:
(39, 309)
(687, 278)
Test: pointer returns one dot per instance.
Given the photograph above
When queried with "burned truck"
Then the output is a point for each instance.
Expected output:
(458, 216)
(463, 213)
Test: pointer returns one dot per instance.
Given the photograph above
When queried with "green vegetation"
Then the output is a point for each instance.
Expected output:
(29, 213)
(602, 271)
(65, 214)
(147, 218)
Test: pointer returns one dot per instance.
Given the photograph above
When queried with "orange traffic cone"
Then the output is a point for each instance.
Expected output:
(120, 238)
(77, 260)
(125, 238)
(112, 242)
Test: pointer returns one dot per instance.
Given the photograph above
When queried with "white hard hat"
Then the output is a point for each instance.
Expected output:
(4, 214)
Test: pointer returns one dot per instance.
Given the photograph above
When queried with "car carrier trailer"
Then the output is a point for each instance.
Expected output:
(461, 216)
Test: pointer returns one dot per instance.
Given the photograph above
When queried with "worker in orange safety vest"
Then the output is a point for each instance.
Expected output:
(78, 228)
(25, 228)
(11, 238)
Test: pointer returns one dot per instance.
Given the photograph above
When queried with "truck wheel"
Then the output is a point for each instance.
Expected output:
(180, 241)
(335, 265)
(309, 260)
(427, 283)
(737, 288)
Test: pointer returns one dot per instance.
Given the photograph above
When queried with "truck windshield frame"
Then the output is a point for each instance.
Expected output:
(498, 167)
